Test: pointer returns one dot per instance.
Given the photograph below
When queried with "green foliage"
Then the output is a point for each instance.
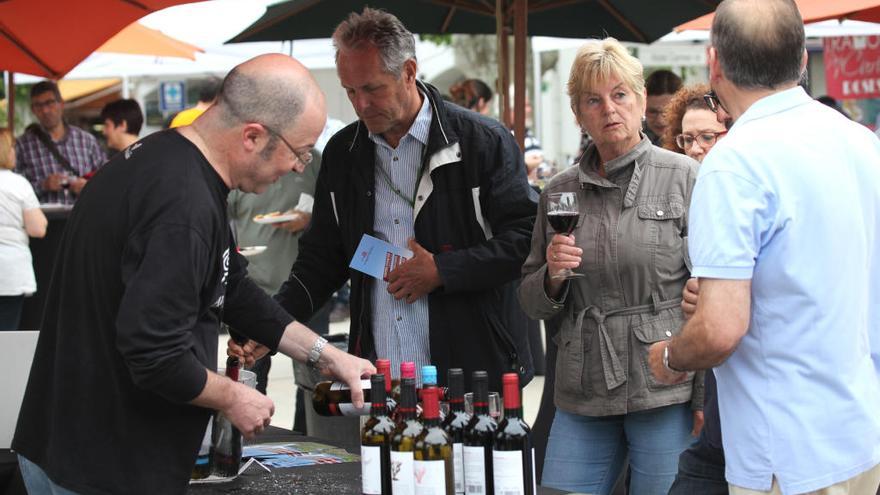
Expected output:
(437, 39)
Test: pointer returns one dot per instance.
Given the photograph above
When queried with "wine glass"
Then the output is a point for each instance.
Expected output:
(65, 185)
(496, 410)
(562, 214)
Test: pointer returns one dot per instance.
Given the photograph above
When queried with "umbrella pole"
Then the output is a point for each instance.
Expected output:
(520, 18)
(10, 102)
(502, 85)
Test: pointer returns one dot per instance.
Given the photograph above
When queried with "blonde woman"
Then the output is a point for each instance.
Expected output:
(629, 246)
(20, 218)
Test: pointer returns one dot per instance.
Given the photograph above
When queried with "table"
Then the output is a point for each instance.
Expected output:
(329, 479)
(44, 252)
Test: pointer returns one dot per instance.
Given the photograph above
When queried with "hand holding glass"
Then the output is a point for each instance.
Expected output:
(562, 214)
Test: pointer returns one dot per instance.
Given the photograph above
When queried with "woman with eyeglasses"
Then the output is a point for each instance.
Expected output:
(627, 248)
(692, 127)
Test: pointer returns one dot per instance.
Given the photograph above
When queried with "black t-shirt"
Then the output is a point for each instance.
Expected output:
(144, 275)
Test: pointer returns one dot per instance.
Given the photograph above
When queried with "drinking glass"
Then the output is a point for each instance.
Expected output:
(496, 410)
(65, 185)
(562, 214)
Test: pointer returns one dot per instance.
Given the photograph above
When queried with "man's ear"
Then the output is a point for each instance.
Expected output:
(123, 125)
(713, 63)
(409, 70)
(252, 135)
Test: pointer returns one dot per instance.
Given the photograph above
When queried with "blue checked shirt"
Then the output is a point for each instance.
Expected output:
(400, 330)
(34, 161)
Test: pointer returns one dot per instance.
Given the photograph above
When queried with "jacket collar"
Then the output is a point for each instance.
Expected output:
(637, 156)
(440, 134)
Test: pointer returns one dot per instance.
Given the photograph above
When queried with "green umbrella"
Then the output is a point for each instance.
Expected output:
(627, 20)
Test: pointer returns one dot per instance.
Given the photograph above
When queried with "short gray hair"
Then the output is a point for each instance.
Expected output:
(266, 99)
(760, 44)
(377, 28)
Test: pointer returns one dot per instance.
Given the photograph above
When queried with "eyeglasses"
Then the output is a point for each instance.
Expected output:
(304, 157)
(712, 101)
(44, 104)
(706, 139)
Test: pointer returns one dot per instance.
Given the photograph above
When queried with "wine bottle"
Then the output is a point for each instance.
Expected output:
(202, 468)
(383, 366)
(376, 443)
(407, 370)
(429, 380)
(225, 438)
(513, 457)
(404, 440)
(455, 423)
(334, 399)
(433, 450)
(478, 439)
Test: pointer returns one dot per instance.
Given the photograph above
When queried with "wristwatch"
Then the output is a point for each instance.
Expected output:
(315, 352)
(666, 360)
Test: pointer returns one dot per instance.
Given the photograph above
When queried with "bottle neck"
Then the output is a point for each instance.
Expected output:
(512, 400)
(456, 404)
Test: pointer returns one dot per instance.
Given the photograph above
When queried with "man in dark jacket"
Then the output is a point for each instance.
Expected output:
(420, 173)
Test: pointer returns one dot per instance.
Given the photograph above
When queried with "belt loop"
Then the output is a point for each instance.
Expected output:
(655, 301)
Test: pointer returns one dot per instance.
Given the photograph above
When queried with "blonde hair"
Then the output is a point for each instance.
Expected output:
(599, 61)
(7, 144)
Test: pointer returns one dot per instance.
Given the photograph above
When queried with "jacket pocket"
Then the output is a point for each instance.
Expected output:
(661, 221)
(574, 348)
(648, 333)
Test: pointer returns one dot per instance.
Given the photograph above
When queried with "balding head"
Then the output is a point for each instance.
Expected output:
(760, 43)
(271, 89)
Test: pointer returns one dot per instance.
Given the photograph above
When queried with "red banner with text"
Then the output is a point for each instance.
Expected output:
(852, 67)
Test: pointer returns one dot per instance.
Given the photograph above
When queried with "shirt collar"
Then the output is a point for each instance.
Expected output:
(773, 104)
(420, 126)
(587, 172)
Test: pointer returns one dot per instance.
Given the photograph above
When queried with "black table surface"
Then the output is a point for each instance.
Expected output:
(327, 479)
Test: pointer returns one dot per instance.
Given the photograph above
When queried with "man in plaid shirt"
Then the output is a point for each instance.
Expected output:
(47, 174)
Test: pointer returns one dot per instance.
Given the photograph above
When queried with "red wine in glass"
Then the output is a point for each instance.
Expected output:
(562, 215)
(563, 222)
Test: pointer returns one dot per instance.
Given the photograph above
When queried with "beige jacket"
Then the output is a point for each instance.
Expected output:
(633, 230)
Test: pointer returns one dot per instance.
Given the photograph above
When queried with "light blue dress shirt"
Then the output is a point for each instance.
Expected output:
(400, 330)
(790, 199)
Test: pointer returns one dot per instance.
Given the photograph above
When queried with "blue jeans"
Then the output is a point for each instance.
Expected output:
(37, 481)
(586, 454)
(700, 470)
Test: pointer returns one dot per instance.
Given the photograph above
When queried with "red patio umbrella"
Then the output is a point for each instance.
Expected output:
(812, 11)
(49, 37)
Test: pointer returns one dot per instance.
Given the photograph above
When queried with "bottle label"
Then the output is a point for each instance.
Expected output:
(365, 384)
(430, 477)
(371, 470)
(402, 479)
(458, 467)
(474, 470)
(348, 409)
(507, 466)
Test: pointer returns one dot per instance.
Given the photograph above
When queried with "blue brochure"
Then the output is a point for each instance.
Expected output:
(377, 258)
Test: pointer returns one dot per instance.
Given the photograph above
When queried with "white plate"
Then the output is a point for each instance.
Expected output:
(275, 218)
(251, 250)
(53, 207)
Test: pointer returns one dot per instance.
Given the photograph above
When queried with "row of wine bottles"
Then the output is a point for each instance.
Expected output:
(462, 454)
(334, 398)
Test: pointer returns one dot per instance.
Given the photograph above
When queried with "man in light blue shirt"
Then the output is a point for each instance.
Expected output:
(783, 237)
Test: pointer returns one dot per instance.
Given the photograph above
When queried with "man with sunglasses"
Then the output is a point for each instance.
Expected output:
(124, 380)
(53, 156)
(783, 206)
